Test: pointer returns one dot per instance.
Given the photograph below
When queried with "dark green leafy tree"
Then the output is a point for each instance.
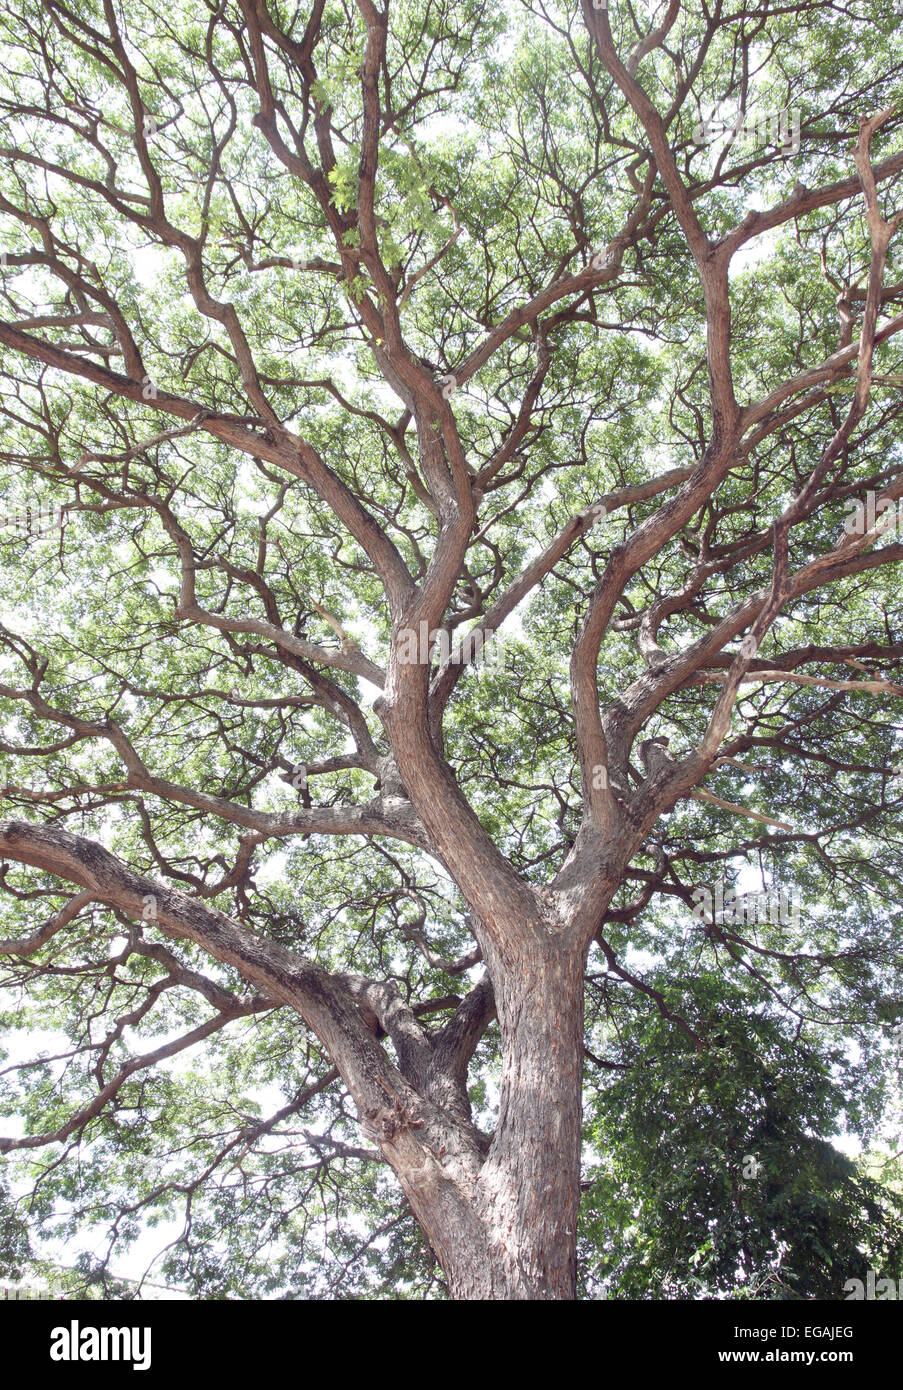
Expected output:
(450, 473)
(712, 1178)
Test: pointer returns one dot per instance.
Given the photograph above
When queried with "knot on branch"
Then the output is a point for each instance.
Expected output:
(383, 1123)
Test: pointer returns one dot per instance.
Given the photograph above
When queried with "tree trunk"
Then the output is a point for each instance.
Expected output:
(528, 1191)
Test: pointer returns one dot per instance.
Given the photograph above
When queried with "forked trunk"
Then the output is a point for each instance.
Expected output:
(528, 1192)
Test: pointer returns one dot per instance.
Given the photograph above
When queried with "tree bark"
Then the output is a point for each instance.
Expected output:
(528, 1192)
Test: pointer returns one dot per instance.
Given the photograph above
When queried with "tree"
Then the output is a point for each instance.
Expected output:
(344, 351)
(712, 1179)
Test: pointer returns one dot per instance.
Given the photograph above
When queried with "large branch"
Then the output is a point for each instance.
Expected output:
(287, 451)
(435, 1152)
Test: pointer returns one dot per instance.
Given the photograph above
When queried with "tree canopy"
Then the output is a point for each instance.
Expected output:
(450, 470)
